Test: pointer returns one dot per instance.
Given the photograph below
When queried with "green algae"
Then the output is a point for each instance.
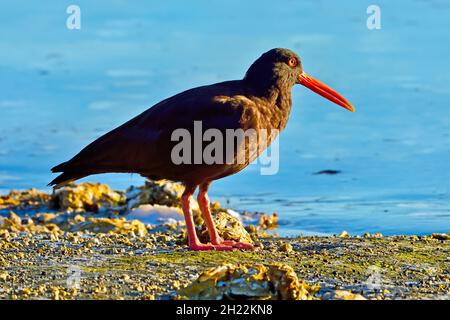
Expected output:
(336, 261)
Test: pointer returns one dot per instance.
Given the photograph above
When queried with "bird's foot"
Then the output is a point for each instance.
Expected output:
(234, 244)
(209, 246)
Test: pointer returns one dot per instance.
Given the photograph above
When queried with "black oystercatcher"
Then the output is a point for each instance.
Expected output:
(261, 101)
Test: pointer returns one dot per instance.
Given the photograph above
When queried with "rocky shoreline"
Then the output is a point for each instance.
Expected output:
(79, 243)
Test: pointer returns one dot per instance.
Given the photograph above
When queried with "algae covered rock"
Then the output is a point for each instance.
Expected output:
(44, 217)
(87, 197)
(373, 235)
(268, 222)
(228, 227)
(344, 234)
(24, 199)
(13, 223)
(286, 247)
(162, 192)
(255, 282)
(440, 236)
(108, 225)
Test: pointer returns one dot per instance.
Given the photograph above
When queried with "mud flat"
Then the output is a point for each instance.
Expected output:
(79, 244)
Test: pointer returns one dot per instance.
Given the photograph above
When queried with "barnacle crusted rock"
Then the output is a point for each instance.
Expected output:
(244, 281)
(87, 197)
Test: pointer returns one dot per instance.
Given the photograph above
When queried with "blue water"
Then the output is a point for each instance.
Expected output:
(60, 89)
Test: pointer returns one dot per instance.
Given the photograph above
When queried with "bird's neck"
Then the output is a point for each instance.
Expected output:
(275, 104)
(277, 93)
(282, 103)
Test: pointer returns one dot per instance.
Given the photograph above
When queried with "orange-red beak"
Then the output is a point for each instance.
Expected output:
(325, 91)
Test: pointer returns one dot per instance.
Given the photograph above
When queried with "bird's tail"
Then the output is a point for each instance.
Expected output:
(67, 175)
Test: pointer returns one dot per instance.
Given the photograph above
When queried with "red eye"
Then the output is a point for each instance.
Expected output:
(292, 62)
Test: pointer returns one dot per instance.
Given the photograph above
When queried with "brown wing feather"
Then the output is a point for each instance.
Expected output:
(142, 145)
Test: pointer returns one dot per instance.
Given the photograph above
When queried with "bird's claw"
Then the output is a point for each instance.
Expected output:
(209, 246)
(234, 244)
(221, 245)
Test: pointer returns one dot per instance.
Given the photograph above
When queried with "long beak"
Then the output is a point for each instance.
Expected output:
(325, 91)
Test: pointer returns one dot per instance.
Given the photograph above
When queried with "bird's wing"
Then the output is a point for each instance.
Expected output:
(140, 145)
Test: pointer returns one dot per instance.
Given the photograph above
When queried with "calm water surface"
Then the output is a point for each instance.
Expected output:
(60, 89)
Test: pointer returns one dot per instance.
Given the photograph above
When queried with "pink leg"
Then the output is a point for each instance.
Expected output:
(203, 203)
(194, 242)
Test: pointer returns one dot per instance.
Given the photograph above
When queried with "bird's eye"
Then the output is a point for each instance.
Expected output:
(292, 62)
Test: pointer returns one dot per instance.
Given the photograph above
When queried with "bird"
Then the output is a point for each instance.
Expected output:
(260, 101)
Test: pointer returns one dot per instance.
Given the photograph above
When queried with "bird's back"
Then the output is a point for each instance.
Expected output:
(143, 145)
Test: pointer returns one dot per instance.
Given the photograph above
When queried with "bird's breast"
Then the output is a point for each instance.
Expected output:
(267, 114)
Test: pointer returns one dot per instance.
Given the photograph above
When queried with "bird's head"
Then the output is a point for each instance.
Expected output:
(282, 68)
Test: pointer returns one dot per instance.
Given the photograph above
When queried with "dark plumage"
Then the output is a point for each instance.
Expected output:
(261, 100)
